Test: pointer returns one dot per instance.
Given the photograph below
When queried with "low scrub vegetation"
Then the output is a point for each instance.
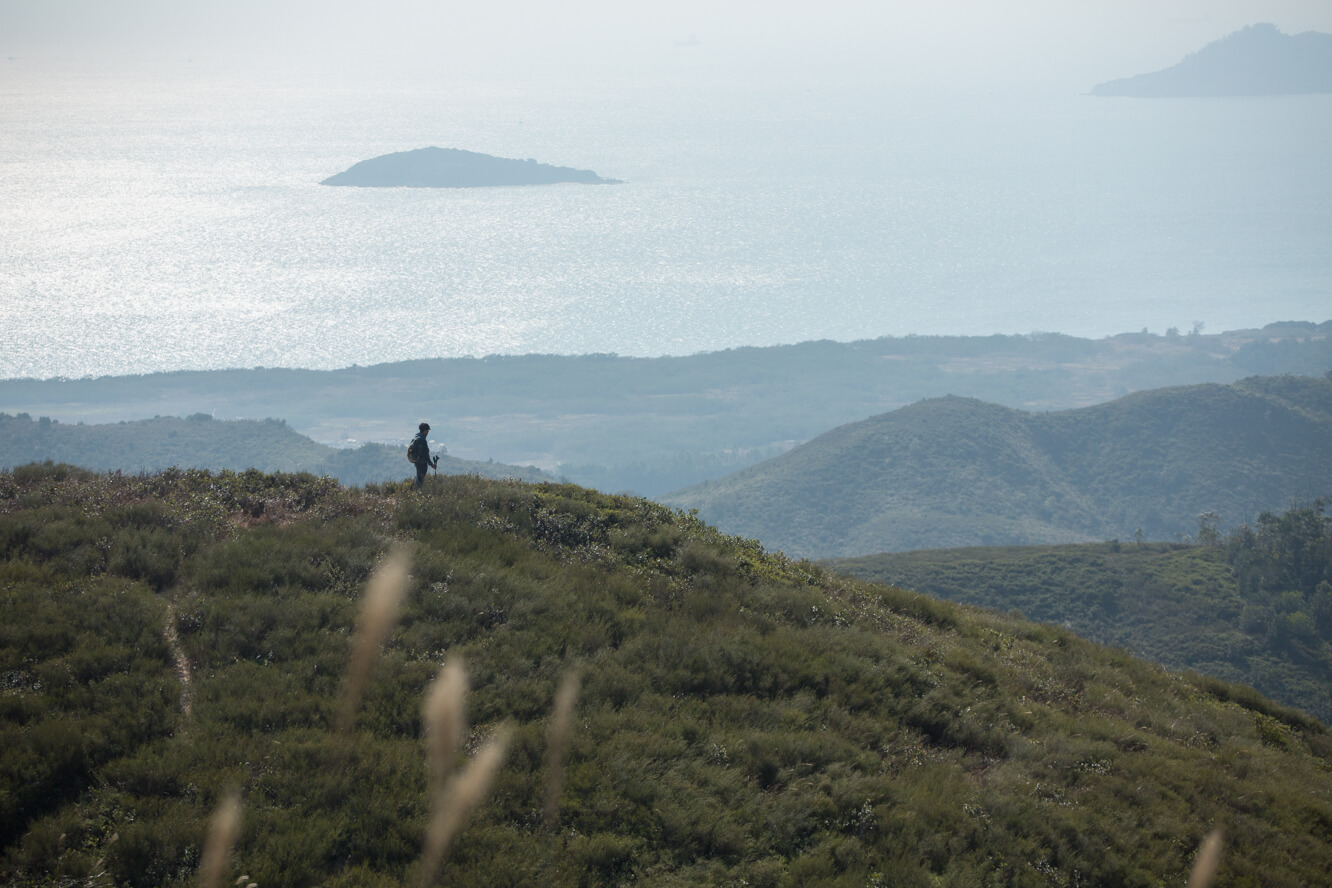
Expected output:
(177, 645)
(1253, 605)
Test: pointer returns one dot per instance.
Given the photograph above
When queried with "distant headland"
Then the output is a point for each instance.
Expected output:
(455, 168)
(1255, 61)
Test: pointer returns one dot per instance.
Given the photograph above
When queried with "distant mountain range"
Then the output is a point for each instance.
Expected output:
(1256, 61)
(454, 168)
(960, 472)
(654, 425)
(200, 442)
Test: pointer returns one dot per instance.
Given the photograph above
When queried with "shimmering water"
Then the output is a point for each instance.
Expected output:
(151, 223)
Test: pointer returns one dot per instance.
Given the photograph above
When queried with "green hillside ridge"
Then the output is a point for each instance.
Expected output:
(1254, 607)
(955, 472)
(200, 442)
(743, 720)
(654, 425)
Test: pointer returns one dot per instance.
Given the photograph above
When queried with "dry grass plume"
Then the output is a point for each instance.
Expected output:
(557, 741)
(445, 722)
(455, 803)
(222, 833)
(384, 594)
(1208, 862)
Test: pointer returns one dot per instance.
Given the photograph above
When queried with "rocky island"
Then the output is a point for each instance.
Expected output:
(455, 168)
(1255, 61)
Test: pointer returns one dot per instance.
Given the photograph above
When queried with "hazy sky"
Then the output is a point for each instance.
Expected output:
(1049, 43)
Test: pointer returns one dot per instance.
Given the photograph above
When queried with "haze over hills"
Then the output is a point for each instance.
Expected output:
(957, 471)
(1256, 61)
(742, 719)
(200, 442)
(653, 425)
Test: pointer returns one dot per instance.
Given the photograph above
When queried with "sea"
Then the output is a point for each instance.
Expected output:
(173, 219)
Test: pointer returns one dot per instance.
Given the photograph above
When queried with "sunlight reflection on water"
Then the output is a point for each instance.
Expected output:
(151, 228)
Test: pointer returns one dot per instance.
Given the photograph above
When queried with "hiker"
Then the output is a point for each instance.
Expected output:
(418, 453)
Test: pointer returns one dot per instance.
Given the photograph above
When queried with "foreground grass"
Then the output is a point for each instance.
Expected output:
(742, 719)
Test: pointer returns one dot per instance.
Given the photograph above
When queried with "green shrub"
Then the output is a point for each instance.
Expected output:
(742, 717)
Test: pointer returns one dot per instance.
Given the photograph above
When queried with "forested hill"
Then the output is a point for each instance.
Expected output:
(740, 719)
(200, 442)
(957, 472)
(1253, 606)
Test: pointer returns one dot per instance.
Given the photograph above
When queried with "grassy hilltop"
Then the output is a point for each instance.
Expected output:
(743, 719)
(200, 442)
(954, 472)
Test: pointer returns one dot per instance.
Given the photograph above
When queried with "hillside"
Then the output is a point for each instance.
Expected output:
(743, 719)
(200, 442)
(957, 472)
(653, 425)
(1254, 607)
(1255, 61)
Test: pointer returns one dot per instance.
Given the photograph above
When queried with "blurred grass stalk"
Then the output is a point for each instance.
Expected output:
(445, 721)
(557, 741)
(452, 801)
(384, 595)
(222, 833)
(1208, 862)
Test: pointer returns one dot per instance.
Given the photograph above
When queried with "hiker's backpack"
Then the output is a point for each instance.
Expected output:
(414, 454)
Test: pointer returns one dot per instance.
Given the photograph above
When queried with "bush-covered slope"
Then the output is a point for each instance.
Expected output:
(956, 472)
(743, 719)
(200, 442)
(1255, 607)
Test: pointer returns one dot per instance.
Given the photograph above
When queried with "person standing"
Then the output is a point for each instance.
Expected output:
(418, 452)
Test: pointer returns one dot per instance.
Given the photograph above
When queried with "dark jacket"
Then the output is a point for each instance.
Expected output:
(423, 452)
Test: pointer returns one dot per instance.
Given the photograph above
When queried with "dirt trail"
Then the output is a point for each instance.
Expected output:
(182, 663)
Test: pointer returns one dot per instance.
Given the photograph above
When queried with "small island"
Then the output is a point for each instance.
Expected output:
(455, 168)
(1255, 61)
